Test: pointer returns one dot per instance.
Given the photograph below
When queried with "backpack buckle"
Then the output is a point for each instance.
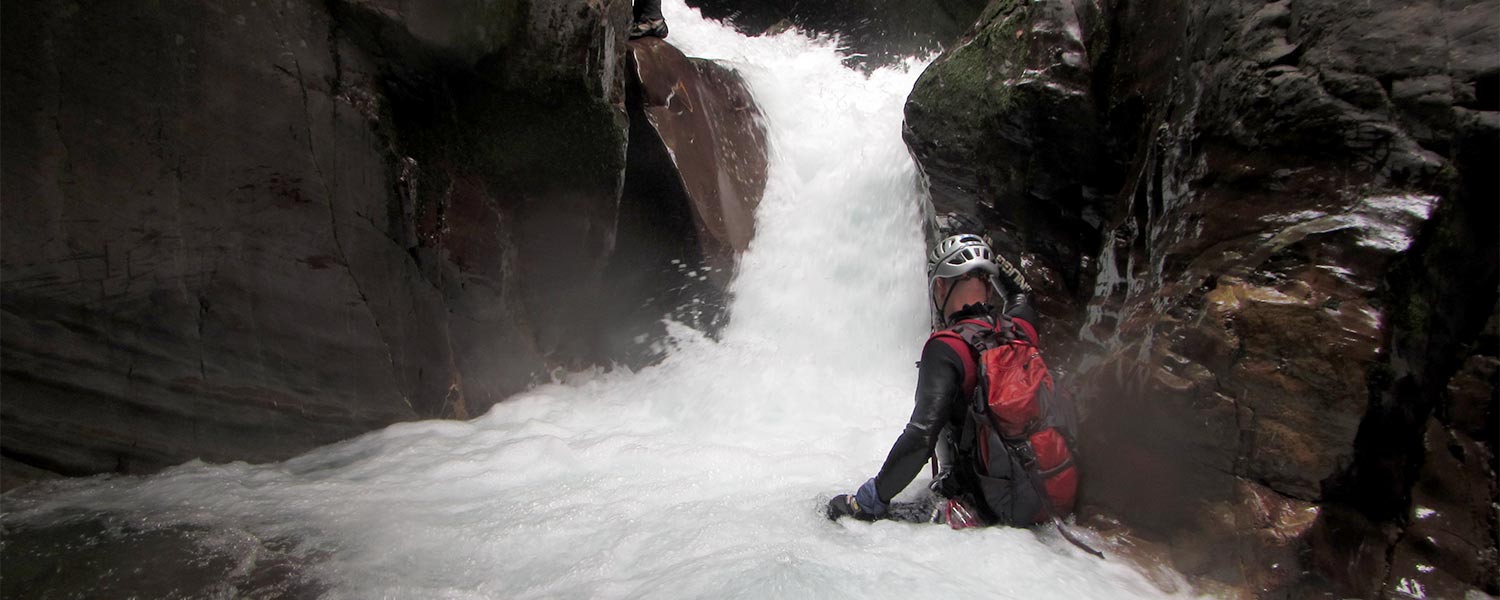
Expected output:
(1025, 454)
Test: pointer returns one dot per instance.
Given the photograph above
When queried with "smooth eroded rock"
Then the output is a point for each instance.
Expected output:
(710, 127)
(696, 172)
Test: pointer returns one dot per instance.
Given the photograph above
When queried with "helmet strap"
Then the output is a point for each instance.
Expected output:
(943, 308)
(952, 287)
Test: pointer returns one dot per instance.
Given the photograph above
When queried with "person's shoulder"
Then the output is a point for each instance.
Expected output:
(944, 342)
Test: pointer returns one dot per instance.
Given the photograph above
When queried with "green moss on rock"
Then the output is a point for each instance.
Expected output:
(974, 81)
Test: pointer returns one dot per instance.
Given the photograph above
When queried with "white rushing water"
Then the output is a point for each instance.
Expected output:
(703, 476)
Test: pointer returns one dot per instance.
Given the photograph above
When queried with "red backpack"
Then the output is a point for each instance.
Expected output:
(1022, 429)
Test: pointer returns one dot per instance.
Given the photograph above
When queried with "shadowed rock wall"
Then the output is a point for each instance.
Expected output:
(1273, 227)
(237, 230)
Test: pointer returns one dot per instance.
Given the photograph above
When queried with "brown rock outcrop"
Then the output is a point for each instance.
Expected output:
(696, 172)
(709, 126)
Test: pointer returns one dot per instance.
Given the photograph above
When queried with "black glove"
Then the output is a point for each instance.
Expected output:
(848, 505)
(1011, 277)
(843, 506)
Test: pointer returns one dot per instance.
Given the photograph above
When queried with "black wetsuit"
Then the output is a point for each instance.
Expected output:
(940, 406)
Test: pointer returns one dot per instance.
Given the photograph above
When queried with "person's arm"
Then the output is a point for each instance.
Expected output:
(939, 384)
(1017, 292)
(1018, 306)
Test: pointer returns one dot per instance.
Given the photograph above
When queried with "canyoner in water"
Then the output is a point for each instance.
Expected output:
(997, 433)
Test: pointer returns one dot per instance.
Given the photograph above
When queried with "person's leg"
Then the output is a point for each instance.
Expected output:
(921, 510)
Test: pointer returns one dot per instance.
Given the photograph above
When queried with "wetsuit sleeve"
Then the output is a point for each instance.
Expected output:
(1018, 306)
(939, 385)
(1017, 291)
(1019, 309)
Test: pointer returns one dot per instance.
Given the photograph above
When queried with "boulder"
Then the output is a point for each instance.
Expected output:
(1004, 129)
(696, 172)
(508, 155)
(709, 126)
(197, 261)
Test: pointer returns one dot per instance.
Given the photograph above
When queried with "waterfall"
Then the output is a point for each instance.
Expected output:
(701, 476)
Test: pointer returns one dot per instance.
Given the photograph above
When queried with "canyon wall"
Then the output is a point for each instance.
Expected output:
(237, 230)
(1265, 237)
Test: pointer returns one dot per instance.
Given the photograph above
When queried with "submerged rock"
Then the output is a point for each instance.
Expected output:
(108, 555)
(1273, 227)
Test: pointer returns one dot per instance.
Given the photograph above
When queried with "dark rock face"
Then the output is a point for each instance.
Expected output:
(1004, 128)
(509, 154)
(875, 32)
(241, 230)
(196, 260)
(1275, 225)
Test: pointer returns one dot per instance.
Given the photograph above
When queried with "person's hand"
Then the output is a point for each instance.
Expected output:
(864, 504)
(1011, 277)
(843, 505)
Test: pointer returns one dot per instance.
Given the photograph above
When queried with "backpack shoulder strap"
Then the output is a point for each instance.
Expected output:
(968, 338)
(979, 334)
(966, 355)
(1023, 329)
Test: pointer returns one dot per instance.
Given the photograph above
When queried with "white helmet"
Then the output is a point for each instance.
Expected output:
(957, 255)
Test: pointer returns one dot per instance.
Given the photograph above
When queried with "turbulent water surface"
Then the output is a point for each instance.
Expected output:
(702, 476)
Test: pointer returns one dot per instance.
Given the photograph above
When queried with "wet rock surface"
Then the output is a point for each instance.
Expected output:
(875, 32)
(1273, 228)
(710, 128)
(194, 232)
(241, 230)
(1004, 129)
(697, 170)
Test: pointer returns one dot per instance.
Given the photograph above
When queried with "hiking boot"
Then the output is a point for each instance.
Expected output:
(651, 27)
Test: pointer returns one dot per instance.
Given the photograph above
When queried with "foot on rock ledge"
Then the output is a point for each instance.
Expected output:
(648, 27)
